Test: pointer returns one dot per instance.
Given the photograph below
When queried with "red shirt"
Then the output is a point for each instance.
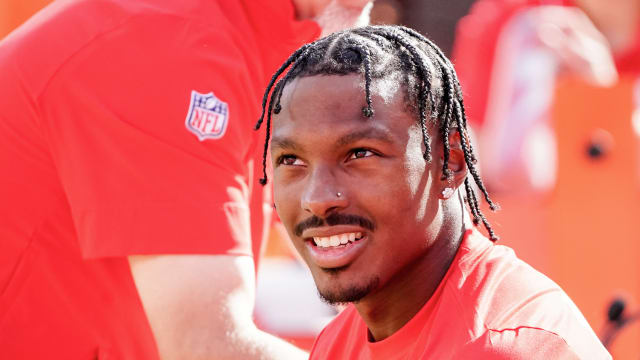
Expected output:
(101, 157)
(489, 305)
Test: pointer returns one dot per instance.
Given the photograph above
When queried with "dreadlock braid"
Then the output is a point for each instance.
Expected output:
(464, 141)
(364, 56)
(275, 76)
(425, 86)
(364, 52)
(403, 54)
(423, 123)
(278, 87)
(446, 69)
(471, 198)
(297, 57)
(470, 158)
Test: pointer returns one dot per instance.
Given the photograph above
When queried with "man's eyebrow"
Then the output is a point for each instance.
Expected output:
(284, 143)
(370, 133)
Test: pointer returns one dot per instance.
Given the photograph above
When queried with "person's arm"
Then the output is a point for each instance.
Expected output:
(200, 307)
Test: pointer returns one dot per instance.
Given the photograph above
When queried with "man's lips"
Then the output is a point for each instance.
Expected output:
(335, 246)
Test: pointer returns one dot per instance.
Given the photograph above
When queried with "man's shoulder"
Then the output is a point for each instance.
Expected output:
(38, 47)
(493, 281)
(69, 29)
(513, 304)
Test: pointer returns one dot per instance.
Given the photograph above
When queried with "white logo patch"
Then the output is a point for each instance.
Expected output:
(207, 117)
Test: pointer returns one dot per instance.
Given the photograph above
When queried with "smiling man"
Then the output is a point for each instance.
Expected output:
(372, 178)
(129, 224)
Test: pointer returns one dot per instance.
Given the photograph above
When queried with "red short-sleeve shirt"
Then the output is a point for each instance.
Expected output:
(126, 128)
(489, 305)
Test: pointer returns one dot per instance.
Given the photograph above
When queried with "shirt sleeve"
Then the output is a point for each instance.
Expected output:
(139, 179)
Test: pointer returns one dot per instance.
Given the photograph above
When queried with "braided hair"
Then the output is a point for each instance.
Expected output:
(433, 91)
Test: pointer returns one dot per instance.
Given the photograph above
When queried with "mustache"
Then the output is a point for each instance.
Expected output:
(332, 220)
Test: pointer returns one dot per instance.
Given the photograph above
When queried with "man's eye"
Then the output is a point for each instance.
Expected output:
(360, 153)
(289, 160)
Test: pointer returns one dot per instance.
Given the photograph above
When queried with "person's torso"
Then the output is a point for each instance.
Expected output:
(487, 292)
(56, 299)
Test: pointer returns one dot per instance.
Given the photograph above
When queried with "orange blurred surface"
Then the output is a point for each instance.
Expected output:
(583, 234)
(594, 211)
(15, 12)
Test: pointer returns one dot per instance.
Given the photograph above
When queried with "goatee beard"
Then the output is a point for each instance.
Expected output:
(350, 295)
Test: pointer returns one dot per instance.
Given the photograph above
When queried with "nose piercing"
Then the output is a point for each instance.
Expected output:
(339, 194)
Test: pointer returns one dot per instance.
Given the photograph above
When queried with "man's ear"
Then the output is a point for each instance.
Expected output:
(456, 164)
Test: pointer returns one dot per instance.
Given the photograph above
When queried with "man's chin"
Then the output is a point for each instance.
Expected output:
(348, 294)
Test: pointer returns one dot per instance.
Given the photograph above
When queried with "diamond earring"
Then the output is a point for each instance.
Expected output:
(447, 192)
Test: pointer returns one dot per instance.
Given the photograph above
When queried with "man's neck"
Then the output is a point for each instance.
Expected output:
(401, 298)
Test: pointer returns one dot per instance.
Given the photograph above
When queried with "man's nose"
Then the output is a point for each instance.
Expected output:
(323, 193)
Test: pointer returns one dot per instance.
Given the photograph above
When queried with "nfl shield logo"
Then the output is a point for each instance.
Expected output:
(207, 116)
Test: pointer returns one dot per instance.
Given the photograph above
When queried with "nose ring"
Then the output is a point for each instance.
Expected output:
(339, 194)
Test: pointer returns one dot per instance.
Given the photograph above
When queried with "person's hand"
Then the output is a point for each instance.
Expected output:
(579, 45)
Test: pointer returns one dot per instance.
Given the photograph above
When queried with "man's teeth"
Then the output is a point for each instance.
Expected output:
(335, 240)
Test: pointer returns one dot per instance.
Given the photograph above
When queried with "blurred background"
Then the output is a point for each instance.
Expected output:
(552, 94)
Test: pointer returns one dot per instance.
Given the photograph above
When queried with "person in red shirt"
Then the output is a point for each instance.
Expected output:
(372, 174)
(130, 224)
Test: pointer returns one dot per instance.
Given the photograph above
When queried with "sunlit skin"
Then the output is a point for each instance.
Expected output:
(323, 145)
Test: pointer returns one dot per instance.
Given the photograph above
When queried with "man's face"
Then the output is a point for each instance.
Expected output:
(362, 182)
